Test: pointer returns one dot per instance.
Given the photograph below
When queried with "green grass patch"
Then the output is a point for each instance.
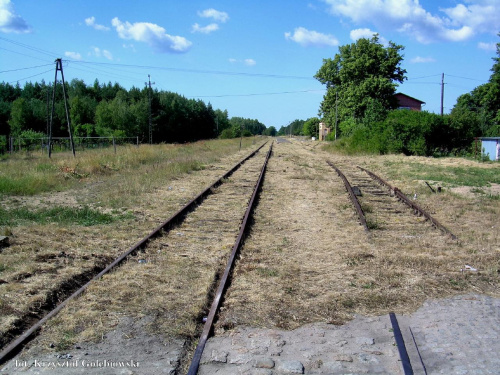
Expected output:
(84, 216)
(28, 185)
(455, 176)
(267, 272)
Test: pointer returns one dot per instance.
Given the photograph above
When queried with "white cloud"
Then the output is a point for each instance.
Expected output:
(153, 35)
(487, 46)
(361, 33)
(422, 60)
(97, 52)
(206, 29)
(408, 16)
(91, 22)
(10, 22)
(250, 62)
(247, 62)
(368, 34)
(307, 38)
(215, 14)
(73, 55)
(107, 54)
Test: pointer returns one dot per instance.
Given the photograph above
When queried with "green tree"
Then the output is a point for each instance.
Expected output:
(477, 114)
(359, 73)
(20, 116)
(270, 131)
(311, 127)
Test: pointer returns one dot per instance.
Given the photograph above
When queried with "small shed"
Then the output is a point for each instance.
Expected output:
(323, 131)
(407, 102)
(490, 147)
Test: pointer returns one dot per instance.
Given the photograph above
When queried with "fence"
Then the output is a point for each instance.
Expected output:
(63, 143)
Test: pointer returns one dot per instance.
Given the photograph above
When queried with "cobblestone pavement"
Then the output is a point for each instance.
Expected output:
(459, 335)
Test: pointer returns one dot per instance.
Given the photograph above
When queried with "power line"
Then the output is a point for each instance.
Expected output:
(198, 71)
(31, 67)
(470, 79)
(434, 75)
(23, 54)
(27, 46)
(23, 79)
(257, 94)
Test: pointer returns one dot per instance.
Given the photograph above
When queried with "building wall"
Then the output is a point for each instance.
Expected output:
(407, 102)
(490, 148)
(323, 131)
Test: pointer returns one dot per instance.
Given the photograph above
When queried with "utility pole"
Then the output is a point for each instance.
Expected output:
(149, 83)
(442, 93)
(336, 113)
(60, 68)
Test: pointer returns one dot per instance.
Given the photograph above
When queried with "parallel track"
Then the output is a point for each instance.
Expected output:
(417, 210)
(195, 363)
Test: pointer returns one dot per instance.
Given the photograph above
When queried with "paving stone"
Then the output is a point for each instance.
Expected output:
(342, 357)
(264, 363)
(364, 341)
(290, 367)
(219, 356)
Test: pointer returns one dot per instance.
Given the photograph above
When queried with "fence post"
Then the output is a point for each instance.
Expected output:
(114, 144)
(137, 141)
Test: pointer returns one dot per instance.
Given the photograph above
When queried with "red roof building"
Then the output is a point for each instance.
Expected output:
(407, 102)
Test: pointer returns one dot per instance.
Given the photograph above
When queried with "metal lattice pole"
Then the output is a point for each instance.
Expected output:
(60, 68)
(149, 83)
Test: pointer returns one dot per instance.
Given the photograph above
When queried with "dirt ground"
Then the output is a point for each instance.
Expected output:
(307, 259)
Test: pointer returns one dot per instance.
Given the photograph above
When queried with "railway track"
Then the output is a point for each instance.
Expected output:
(304, 263)
(375, 197)
(184, 220)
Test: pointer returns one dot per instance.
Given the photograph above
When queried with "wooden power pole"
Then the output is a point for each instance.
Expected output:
(442, 93)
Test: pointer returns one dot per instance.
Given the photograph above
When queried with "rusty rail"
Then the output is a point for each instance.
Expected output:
(354, 200)
(207, 328)
(176, 218)
(415, 207)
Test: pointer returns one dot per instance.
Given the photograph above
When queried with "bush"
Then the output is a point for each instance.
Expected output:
(227, 133)
(403, 131)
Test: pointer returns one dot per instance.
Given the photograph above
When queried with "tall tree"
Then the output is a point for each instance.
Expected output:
(359, 73)
(477, 113)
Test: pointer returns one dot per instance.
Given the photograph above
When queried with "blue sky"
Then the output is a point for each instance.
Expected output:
(254, 58)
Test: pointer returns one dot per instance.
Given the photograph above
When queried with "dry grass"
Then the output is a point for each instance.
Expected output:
(43, 257)
(174, 278)
(308, 259)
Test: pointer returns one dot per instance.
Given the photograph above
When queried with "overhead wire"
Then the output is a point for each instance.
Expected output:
(27, 46)
(31, 67)
(198, 71)
(35, 75)
(255, 94)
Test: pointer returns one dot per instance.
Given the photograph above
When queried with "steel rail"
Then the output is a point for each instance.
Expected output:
(400, 343)
(168, 224)
(415, 207)
(207, 328)
(353, 197)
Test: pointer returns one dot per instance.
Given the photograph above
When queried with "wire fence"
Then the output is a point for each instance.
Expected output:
(18, 144)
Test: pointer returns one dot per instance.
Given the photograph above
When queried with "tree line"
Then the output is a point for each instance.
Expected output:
(361, 82)
(109, 110)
